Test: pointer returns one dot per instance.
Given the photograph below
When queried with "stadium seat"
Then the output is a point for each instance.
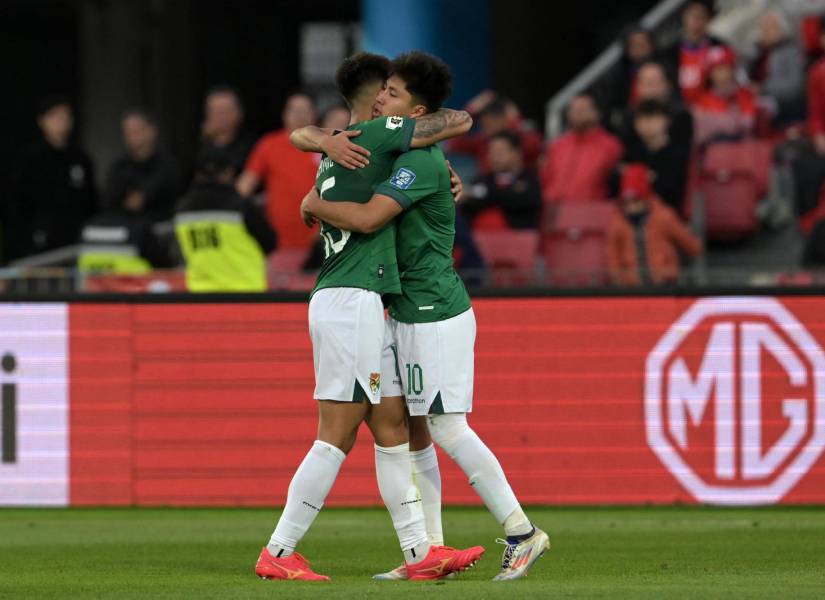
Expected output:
(574, 242)
(733, 178)
(510, 255)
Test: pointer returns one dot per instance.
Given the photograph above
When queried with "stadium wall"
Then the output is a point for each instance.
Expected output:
(585, 400)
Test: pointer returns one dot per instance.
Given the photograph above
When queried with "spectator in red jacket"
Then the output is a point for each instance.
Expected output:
(687, 57)
(579, 162)
(645, 239)
(495, 114)
(726, 110)
(286, 174)
(816, 99)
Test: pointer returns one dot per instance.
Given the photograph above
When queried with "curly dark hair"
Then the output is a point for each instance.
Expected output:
(359, 70)
(428, 79)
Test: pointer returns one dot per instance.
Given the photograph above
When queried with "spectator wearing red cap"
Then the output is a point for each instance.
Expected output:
(579, 162)
(687, 56)
(645, 238)
(727, 110)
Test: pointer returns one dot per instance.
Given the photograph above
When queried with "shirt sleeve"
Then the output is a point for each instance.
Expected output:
(391, 134)
(256, 163)
(413, 178)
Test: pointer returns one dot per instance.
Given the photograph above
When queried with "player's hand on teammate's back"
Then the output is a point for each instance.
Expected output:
(456, 185)
(307, 217)
(343, 151)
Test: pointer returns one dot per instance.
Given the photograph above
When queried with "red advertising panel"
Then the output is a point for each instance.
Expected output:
(585, 400)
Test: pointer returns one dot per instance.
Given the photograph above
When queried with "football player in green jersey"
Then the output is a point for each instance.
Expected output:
(349, 335)
(432, 322)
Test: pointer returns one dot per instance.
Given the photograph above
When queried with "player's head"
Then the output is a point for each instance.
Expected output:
(361, 76)
(418, 84)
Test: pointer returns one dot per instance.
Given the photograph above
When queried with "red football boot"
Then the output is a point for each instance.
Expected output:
(443, 560)
(293, 566)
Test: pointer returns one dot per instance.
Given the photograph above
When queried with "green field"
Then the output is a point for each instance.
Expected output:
(668, 552)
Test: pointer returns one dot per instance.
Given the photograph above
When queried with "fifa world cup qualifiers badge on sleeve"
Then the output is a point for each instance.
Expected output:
(394, 122)
(403, 179)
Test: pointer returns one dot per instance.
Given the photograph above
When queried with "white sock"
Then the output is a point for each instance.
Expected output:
(517, 523)
(307, 492)
(453, 434)
(427, 479)
(401, 497)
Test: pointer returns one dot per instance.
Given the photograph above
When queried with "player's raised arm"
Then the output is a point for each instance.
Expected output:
(353, 216)
(440, 125)
(335, 144)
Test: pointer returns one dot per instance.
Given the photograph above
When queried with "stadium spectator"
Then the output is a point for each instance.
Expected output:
(727, 110)
(687, 57)
(652, 145)
(222, 125)
(117, 242)
(146, 179)
(52, 188)
(814, 254)
(286, 174)
(510, 195)
(816, 99)
(776, 69)
(653, 84)
(645, 238)
(618, 89)
(224, 238)
(495, 114)
(580, 161)
(336, 117)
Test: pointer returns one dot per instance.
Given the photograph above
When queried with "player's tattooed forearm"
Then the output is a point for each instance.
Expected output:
(439, 121)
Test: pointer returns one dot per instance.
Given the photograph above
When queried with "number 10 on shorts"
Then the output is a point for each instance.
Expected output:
(415, 379)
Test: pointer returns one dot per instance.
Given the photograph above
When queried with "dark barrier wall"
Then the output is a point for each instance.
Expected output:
(617, 400)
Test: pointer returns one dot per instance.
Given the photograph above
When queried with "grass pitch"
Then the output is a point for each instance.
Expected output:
(684, 552)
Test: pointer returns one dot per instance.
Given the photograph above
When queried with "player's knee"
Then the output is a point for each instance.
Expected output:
(341, 437)
(389, 433)
(449, 430)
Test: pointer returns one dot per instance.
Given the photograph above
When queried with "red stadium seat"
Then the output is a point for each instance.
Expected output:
(574, 243)
(733, 178)
(510, 255)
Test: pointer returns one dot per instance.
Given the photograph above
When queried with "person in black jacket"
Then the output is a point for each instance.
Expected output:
(146, 180)
(52, 189)
(509, 188)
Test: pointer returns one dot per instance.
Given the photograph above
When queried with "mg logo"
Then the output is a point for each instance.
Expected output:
(735, 400)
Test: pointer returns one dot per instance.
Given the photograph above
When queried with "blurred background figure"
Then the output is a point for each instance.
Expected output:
(652, 146)
(285, 173)
(224, 238)
(726, 111)
(688, 56)
(579, 162)
(775, 69)
(652, 83)
(494, 114)
(619, 88)
(336, 117)
(646, 237)
(146, 179)
(53, 187)
(509, 197)
(222, 125)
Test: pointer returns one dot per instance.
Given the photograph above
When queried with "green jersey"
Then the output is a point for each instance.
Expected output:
(431, 290)
(354, 259)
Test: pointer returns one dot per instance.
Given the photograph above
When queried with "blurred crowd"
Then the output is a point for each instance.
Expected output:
(613, 193)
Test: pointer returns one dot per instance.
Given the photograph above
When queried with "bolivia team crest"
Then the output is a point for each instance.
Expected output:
(375, 382)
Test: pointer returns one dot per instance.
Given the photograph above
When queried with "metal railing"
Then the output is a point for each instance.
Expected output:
(600, 66)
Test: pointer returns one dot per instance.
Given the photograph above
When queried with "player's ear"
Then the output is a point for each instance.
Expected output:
(419, 110)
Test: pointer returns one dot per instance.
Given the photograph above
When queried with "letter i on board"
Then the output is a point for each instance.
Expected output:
(9, 412)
